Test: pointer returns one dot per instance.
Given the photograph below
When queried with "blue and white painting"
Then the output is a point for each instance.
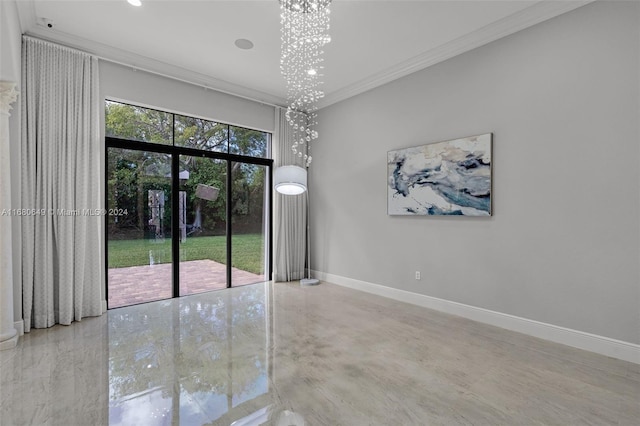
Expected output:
(444, 178)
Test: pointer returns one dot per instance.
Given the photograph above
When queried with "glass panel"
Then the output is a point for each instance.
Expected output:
(203, 226)
(249, 223)
(139, 191)
(138, 227)
(201, 134)
(137, 123)
(252, 143)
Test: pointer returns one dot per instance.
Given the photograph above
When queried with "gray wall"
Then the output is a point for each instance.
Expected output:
(10, 45)
(125, 83)
(10, 41)
(562, 100)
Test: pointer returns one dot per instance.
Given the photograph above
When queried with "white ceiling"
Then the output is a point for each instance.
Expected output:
(373, 41)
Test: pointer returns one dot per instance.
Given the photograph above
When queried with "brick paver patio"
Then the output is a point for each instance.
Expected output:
(140, 284)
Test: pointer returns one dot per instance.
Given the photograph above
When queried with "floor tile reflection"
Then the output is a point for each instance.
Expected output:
(281, 354)
(188, 361)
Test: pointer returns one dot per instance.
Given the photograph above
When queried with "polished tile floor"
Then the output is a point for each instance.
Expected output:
(281, 354)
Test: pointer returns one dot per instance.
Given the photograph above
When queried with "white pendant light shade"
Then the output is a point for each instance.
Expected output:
(290, 180)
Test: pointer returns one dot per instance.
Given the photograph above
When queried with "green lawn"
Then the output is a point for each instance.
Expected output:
(248, 251)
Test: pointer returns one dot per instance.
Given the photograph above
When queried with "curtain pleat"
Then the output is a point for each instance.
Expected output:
(60, 180)
(290, 221)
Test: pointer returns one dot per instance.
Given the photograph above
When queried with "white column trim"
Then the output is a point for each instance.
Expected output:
(8, 332)
(8, 95)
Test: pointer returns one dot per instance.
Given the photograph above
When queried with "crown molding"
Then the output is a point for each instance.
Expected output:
(32, 27)
(508, 25)
(26, 14)
(143, 63)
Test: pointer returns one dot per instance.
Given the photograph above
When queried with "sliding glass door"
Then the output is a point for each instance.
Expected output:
(156, 212)
(203, 224)
(139, 230)
(249, 199)
(188, 204)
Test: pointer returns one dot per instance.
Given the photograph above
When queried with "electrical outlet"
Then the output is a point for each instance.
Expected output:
(417, 275)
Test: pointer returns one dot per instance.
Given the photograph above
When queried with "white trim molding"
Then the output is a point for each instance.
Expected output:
(8, 95)
(578, 339)
(508, 25)
(534, 14)
(153, 66)
(19, 326)
(8, 333)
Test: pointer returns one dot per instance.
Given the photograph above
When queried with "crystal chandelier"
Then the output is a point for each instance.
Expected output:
(304, 32)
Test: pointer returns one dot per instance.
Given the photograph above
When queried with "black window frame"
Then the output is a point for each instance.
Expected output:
(175, 152)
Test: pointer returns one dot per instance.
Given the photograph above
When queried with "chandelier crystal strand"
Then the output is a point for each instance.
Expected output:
(304, 32)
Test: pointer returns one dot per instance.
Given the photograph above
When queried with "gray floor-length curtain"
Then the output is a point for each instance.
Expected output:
(290, 220)
(61, 182)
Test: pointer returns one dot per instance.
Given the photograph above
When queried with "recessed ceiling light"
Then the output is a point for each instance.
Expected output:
(243, 43)
(312, 72)
(135, 2)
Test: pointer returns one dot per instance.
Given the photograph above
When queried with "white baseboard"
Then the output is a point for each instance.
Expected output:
(19, 326)
(12, 342)
(578, 339)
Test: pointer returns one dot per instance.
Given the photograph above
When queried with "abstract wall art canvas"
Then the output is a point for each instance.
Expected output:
(443, 178)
